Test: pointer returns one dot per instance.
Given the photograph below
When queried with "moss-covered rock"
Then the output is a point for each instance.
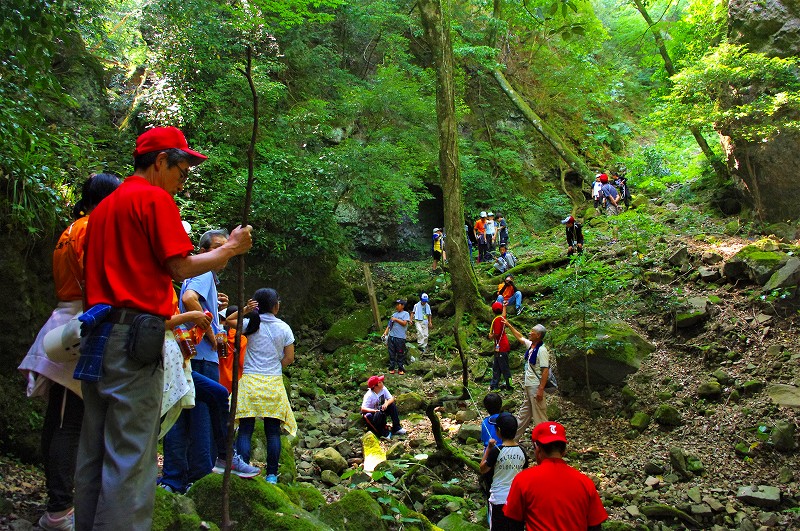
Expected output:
(254, 505)
(173, 512)
(456, 522)
(355, 511)
(640, 421)
(330, 459)
(305, 497)
(409, 403)
(695, 310)
(287, 466)
(667, 415)
(758, 261)
(415, 521)
(347, 330)
(710, 390)
(616, 351)
(438, 506)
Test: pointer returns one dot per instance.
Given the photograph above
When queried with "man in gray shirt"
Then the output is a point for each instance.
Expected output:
(396, 332)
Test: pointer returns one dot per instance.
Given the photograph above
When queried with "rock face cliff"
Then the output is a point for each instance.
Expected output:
(766, 170)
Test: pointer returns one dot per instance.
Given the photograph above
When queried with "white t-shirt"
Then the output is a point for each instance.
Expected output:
(596, 189)
(506, 463)
(421, 311)
(490, 226)
(533, 374)
(265, 347)
(372, 400)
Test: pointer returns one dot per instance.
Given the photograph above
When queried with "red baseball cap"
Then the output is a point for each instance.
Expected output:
(603, 178)
(162, 138)
(497, 307)
(374, 380)
(547, 432)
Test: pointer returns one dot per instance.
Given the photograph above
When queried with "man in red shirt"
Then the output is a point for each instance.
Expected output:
(553, 496)
(135, 247)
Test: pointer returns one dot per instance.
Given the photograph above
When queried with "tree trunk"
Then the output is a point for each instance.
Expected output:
(437, 33)
(719, 168)
(553, 138)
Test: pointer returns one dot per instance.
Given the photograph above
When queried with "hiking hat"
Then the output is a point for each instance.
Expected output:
(435, 230)
(490, 214)
(547, 432)
(374, 380)
(163, 138)
(603, 178)
(497, 307)
(400, 301)
(424, 297)
(568, 219)
(483, 213)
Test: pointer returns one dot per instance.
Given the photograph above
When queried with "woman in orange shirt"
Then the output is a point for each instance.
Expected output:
(62, 421)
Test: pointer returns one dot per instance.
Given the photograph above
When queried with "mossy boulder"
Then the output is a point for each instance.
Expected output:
(710, 390)
(758, 261)
(667, 415)
(355, 511)
(254, 505)
(437, 506)
(415, 521)
(695, 310)
(330, 459)
(287, 466)
(409, 403)
(456, 522)
(347, 330)
(616, 351)
(640, 421)
(303, 496)
(174, 512)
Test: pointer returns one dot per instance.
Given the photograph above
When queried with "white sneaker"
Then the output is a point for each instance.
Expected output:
(63, 523)
(401, 431)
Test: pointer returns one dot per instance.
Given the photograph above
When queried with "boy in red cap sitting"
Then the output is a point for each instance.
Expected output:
(553, 495)
(377, 404)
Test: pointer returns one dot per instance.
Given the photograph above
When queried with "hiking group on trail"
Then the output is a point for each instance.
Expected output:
(124, 359)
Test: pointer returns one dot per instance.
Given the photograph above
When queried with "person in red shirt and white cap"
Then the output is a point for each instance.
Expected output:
(553, 496)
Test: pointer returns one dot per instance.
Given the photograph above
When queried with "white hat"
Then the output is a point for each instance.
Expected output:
(424, 297)
(483, 213)
(435, 230)
(567, 220)
(63, 343)
(490, 214)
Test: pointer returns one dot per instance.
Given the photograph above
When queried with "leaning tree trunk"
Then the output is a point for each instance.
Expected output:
(437, 34)
(719, 168)
(549, 134)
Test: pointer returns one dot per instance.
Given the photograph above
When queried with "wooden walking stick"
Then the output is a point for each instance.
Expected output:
(227, 524)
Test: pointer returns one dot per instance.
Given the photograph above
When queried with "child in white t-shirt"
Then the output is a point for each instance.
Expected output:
(504, 463)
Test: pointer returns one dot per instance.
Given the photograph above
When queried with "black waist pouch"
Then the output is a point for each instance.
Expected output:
(146, 339)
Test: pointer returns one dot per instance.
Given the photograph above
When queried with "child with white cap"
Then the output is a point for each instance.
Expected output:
(422, 320)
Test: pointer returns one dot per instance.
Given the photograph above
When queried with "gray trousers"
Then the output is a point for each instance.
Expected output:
(115, 477)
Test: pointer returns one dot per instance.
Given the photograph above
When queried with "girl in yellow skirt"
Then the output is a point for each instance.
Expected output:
(270, 348)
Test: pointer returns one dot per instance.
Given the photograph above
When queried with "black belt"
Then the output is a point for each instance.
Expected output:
(124, 316)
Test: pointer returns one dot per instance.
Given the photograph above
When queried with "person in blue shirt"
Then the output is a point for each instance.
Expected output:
(493, 404)
(395, 335)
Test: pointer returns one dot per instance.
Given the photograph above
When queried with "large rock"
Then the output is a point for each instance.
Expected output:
(347, 330)
(784, 395)
(667, 415)
(467, 431)
(409, 403)
(782, 436)
(695, 311)
(253, 505)
(760, 495)
(330, 459)
(616, 351)
(787, 276)
(355, 511)
(456, 522)
(758, 261)
(771, 27)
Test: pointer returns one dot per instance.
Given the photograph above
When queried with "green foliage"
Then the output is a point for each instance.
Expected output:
(747, 95)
